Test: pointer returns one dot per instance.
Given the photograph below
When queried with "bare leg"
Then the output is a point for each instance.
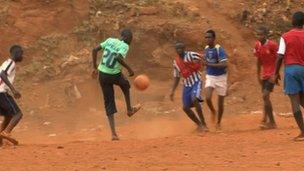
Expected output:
(109, 103)
(268, 110)
(11, 125)
(220, 109)
(302, 99)
(125, 87)
(112, 126)
(199, 112)
(192, 116)
(4, 124)
(264, 119)
(295, 104)
(209, 91)
(13, 122)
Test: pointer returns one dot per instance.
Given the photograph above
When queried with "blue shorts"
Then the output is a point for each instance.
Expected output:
(294, 79)
(192, 93)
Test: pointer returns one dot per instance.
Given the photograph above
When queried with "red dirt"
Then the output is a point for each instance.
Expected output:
(60, 132)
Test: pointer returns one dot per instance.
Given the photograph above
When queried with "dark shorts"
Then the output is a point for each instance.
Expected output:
(267, 85)
(107, 83)
(294, 79)
(8, 106)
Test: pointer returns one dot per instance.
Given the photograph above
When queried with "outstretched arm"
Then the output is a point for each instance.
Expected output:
(4, 78)
(120, 59)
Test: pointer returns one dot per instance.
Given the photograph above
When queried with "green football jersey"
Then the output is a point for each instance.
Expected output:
(112, 48)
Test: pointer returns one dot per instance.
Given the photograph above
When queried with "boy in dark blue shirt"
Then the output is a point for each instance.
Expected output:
(216, 75)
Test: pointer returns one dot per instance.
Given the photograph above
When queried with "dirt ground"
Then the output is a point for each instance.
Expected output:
(64, 125)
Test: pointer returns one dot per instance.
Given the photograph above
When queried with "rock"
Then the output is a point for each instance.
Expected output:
(72, 91)
(77, 92)
(72, 60)
(245, 15)
(52, 135)
(256, 112)
(46, 123)
(116, 26)
(98, 14)
(285, 115)
(32, 112)
(235, 51)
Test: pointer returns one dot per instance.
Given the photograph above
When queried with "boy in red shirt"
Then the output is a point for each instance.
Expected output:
(292, 52)
(266, 52)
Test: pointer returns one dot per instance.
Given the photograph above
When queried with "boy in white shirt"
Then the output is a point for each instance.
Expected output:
(8, 107)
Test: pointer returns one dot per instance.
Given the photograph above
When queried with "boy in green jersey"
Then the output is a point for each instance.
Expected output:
(109, 69)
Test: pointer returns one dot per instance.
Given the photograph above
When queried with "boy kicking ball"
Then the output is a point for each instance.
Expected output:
(8, 107)
(109, 71)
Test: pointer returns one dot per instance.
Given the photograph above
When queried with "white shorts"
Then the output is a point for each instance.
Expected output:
(219, 83)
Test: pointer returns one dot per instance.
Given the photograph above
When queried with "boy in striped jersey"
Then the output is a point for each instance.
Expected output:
(187, 65)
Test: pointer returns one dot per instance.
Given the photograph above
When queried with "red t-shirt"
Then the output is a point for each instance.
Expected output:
(267, 54)
(294, 41)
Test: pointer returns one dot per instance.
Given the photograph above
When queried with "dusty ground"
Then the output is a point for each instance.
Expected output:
(62, 131)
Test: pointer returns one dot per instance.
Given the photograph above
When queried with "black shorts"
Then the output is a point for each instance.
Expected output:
(107, 83)
(267, 85)
(8, 106)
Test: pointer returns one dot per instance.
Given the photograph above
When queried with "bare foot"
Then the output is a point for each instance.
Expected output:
(135, 109)
(299, 137)
(267, 126)
(218, 127)
(6, 136)
(202, 128)
(115, 138)
(264, 121)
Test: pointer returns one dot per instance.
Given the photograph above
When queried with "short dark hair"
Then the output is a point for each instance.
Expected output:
(298, 19)
(212, 32)
(264, 30)
(180, 44)
(126, 33)
(15, 48)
